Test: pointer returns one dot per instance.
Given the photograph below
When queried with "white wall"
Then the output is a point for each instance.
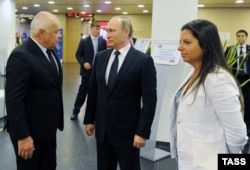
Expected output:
(167, 20)
(228, 20)
(7, 40)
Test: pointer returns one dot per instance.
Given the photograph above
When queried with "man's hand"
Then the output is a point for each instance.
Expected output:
(139, 141)
(26, 148)
(87, 66)
(90, 129)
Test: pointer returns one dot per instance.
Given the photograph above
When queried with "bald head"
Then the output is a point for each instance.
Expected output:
(43, 20)
(44, 28)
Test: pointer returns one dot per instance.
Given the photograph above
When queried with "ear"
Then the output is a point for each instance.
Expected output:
(127, 31)
(41, 31)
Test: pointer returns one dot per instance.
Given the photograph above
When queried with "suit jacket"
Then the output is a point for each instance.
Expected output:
(209, 124)
(85, 53)
(247, 60)
(129, 107)
(134, 40)
(33, 93)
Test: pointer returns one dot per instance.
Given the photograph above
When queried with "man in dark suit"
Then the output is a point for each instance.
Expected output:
(34, 95)
(242, 50)
(121, 102)
(87, 49)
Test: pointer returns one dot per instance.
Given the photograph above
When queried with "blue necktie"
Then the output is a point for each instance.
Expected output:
(113, 71)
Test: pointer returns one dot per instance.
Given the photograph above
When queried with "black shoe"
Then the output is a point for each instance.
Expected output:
(73, 116)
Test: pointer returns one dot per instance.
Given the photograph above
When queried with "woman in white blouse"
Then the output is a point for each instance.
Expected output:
(206, 117)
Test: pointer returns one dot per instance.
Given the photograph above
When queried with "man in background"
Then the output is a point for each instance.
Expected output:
(121, 99)
(85, 55)
(243, 51)
(33, 94)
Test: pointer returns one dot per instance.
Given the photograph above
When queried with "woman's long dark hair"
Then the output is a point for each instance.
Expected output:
(208, 37)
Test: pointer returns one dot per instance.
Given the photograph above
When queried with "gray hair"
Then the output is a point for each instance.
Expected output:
(126, 23)
(42, 20)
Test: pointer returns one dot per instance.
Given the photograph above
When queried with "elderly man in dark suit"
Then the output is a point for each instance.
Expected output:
(243, 51)
(34, 95)
(121, 99)
(85, 54)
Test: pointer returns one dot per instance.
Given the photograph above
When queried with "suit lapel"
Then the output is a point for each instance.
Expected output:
(90, 43)
(104, 63)
(39, 54)
(129, 58)
(58, 65)
(51, 71)
(99, 44)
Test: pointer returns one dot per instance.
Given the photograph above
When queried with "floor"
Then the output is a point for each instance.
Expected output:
(75, 150)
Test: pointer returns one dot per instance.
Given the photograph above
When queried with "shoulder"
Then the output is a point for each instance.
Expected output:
(105, 52)
(143, 57)
(139, 53)
(19, 57)
(221, 81)
(228, 48)
(248, 47)
(219, 75)
(102, 56)
(140, 58)
(84, 39)
(24, 48)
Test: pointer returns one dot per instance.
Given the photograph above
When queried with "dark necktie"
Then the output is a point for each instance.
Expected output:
(113, 71)
(240, 64)
(52, 62)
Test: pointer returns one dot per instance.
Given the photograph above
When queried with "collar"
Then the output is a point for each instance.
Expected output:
(93, 38)
(244, 46)
(39, 45)
(123, 50)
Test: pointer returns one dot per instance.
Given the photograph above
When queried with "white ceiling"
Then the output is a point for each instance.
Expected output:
(129, 6)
